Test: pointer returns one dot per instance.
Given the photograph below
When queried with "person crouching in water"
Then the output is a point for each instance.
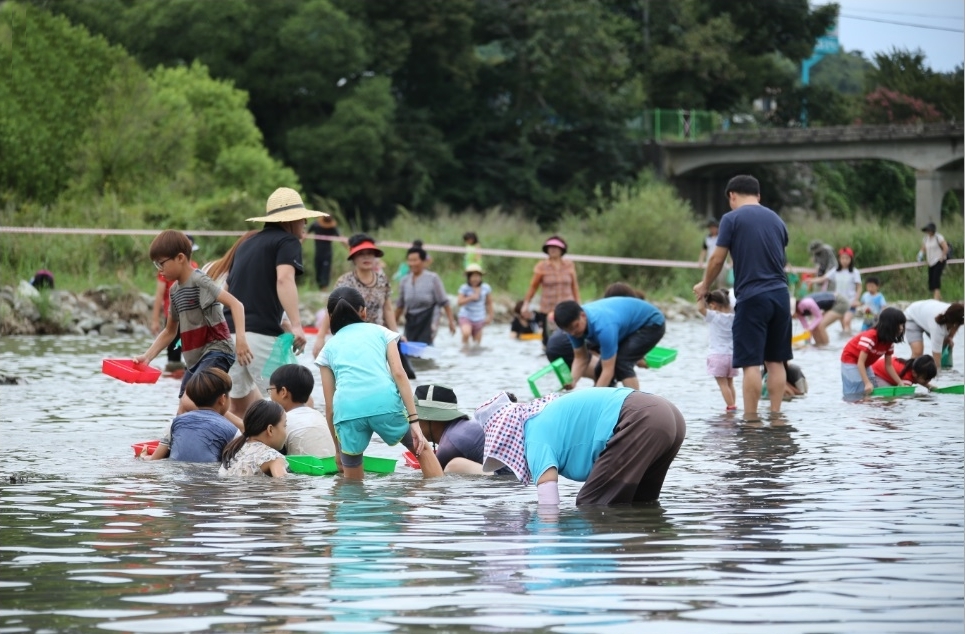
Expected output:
(619, 441)
(366, 389)
(920, 370)
(866, 348)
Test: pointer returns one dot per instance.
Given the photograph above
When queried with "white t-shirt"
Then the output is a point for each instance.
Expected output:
(847, 283)
(933, 248)
(308, 434)
(721, 332)
(922, 314)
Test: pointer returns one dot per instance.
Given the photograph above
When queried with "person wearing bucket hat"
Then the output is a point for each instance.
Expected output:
(618, 441)
(262, 276)
(934, 250)
(475, 305)
(825, 264)
(555, 278)
(457, 438)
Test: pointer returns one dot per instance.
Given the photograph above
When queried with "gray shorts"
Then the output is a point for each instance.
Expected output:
(245, 378)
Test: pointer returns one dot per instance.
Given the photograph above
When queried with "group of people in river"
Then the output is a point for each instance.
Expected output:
(617, 440)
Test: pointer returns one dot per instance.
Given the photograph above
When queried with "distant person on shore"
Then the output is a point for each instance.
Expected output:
(707, 246)
(366, 389)
(934, 250)
(258, 450)
(872, 302)
(202, 434)
(915, 371)
(291, 387)
(43, 280)
(715, 307)
(618, 441)
(825, 264)
(263, 276)
(939, 320)
(420, 292)
(161, 309)
(473, 256)
(197, 312)
(328, 227)
(845, 282)
(555, 278)
(475, 305)
(624, 328)
(867, 347)
(756, 238)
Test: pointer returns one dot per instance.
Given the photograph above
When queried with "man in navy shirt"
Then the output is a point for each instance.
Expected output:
(756, 238)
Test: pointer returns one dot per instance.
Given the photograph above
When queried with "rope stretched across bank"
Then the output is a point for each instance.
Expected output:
(535, 255)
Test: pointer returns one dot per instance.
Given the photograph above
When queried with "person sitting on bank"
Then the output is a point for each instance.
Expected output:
(291, 386)
(624, 328)
(458, 440)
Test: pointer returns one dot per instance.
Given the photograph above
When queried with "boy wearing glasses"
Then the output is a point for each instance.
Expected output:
(197, 308)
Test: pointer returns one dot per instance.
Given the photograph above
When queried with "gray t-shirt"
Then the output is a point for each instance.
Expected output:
(422, 293)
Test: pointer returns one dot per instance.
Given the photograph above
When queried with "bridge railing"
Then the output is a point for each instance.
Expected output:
(675, 125)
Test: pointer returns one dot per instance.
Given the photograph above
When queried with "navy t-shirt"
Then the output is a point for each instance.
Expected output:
(756, 238)
(253, 279)
(200, 436)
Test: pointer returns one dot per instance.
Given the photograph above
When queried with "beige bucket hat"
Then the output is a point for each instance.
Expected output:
(285, 205)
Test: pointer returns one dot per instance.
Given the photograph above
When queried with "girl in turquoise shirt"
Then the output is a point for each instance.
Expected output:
(366, 389)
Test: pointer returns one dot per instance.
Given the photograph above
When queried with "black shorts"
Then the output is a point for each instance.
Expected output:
(634, 347)
(762, 329)
(935, 276)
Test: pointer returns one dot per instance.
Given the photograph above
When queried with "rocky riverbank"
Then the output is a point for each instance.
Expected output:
(113, 310)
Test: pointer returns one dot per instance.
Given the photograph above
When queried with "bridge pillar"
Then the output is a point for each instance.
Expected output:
(930, 188)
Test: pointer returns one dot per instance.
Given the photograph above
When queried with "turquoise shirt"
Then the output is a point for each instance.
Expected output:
(571, 431)
(611, 319)
(363, 383)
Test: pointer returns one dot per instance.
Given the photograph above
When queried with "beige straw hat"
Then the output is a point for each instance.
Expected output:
(285, 205)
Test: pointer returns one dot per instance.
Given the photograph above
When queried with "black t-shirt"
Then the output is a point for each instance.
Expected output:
(323, 248)
(523, 327)
(253, 279)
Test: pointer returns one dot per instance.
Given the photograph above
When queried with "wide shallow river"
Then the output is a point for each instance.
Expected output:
(837, 518)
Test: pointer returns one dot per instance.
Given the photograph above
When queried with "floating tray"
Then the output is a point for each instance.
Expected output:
(659, 357)
(558, 368)
(129, 372)
(310, 465)
(894, 390)
(150, 445)
(950, 389)
(530, 336)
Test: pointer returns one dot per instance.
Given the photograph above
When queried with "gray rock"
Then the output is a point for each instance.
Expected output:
(108, 330)
(89, 324)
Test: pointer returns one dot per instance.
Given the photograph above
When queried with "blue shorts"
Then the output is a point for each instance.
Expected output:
(762, 329)
(354, 434)
(215, 359)
(851, 383)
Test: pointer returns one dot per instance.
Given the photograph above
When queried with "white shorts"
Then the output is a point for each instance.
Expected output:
(913, 332)
(246, 378)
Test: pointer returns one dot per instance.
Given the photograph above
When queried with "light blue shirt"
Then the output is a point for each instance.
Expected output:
(611, 319)
(475, 310)
(572, 431)
(363, 383)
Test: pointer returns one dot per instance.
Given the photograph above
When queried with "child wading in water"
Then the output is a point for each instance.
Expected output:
(366, 389)
(866, 348)
(715, 307)
(920, 370)
(258, 451)
(475, 305)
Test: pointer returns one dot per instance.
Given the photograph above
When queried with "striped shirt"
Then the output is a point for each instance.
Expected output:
(200, 316)
(866, 342)
(556, 283)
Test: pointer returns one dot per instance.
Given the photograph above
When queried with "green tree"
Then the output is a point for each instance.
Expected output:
(905, 72)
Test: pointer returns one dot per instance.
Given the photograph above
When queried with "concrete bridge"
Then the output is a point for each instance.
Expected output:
(933, 150)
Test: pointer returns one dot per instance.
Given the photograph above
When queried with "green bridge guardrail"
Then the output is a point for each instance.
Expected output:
(679, 125)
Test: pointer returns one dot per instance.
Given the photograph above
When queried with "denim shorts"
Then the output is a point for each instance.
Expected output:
(851, 383)
(216, 359)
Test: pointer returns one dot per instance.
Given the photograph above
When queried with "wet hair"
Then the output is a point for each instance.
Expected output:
(953, 316)
(418, 250)
(872, 280)
(345, 306)
(718, 297)
(744, 185)
(922, 367)
(169, 243)
(566, 313)
(889, 326)
(297, 379)
(258, 418)
(223, 264)
(205, 387)
(358, 238)
(622, 289)
(470, 237)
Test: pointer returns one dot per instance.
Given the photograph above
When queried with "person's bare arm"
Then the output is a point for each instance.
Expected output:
(534, 285)
(278, 468)
(489, 308)
(576, 284)
(714, 266)
(328, 391)
(242, 351)
(162, 341)
(890, 368)
(288, 296)
(863, 371)
(580, 361)
(607, 370)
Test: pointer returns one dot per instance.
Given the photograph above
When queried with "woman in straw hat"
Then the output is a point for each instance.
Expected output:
(475, 305)
(262, 277)
(557, 278)
(619, 441)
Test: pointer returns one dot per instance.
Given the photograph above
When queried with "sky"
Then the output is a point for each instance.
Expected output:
(944, 50)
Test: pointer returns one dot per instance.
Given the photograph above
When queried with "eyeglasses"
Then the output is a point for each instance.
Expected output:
(159, 264)
(272, 387)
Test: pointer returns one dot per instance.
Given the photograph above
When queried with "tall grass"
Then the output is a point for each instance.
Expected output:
(644, 221)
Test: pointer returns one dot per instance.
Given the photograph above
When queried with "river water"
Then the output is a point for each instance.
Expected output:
(837, 518)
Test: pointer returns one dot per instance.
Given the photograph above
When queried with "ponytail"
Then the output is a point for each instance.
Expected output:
(345, 306)
(258, 418)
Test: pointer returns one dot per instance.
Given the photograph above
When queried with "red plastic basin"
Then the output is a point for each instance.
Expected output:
(151, 445)
(129, 372)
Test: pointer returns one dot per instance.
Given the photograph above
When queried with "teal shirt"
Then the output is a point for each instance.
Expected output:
(363, 383)
(611, 319)
(571, 431)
